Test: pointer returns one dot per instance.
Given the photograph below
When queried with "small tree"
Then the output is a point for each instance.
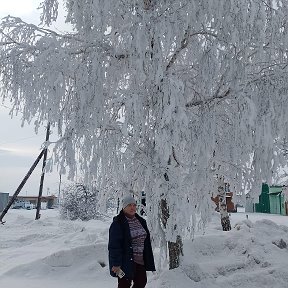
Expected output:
(79, 202)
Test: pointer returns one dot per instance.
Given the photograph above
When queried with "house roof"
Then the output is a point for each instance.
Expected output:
(36, 197)
(275, 190)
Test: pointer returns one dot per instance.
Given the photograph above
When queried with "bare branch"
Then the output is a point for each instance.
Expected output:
(184, 43)
(207, 101)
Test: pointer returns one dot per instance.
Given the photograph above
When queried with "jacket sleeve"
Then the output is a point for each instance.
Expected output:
(115, 244)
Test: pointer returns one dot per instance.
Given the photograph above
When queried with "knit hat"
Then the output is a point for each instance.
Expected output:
(128, 199)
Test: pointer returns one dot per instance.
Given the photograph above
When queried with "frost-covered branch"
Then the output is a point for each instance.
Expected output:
(184, 43)
(22, 33)
(49, 11)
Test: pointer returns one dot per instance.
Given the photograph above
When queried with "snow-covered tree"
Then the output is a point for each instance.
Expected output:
(156, 96)
(79, 202)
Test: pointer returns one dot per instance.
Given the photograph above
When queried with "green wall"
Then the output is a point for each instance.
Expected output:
(271, 200)
(264, 203)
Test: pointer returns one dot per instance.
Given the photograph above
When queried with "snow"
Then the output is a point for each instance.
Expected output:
(60, 253)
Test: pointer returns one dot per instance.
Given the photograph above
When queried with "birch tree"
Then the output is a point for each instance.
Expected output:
(151, 95)
(225, 221)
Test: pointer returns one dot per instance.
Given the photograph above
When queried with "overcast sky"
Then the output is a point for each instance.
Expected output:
(20, 146)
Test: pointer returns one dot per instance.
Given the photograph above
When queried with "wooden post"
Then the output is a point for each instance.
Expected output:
(59, 189)
(42, 175)
(21, 186)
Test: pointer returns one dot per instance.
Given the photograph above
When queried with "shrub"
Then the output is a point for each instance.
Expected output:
(79, 202)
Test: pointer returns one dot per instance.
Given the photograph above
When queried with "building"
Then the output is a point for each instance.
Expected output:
(272, 200)
(46, 201)
(229, 202)
(249, 205)
(4, 199)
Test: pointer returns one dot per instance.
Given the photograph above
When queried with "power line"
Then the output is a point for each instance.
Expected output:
(5, 106)
(21, 139)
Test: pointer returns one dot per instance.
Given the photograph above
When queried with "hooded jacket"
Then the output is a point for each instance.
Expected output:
(120, 246)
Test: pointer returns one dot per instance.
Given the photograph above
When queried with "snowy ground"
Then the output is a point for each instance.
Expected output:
(54, 253)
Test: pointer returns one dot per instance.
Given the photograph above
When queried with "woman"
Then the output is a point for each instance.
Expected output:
(130, 247)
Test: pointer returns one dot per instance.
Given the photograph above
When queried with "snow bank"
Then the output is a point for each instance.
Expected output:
(251, 255)
(52, 252)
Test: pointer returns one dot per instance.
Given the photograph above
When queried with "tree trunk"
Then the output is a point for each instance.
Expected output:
(225, 221)
(175, 249)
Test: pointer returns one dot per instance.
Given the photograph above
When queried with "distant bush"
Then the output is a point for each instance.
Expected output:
(79, 202)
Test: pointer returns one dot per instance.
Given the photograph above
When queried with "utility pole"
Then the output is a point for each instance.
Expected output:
(21, 186)
(38, 215)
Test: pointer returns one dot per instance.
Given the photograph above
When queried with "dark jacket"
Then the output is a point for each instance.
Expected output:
(120, 246)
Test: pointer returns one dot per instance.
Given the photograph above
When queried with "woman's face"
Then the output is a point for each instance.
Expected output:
(130, 210)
